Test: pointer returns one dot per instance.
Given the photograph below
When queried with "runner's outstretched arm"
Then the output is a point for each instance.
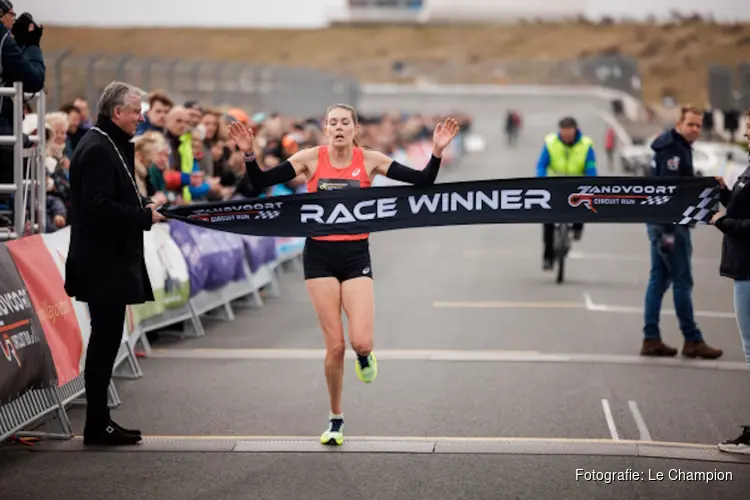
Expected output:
(281, 173)
(394, 170)
(259, 178)
(443, 135)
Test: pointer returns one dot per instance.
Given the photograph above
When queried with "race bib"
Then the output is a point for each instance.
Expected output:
(336, 184)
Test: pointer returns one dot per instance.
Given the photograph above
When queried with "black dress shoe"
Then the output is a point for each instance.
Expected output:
(108, 436)
(133, 432)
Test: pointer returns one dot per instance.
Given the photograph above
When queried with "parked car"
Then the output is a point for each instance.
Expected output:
(715, 158)
(709, 158)
(636, 159)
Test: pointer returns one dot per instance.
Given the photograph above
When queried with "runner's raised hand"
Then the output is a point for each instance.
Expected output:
(444, 134)
(242, 136)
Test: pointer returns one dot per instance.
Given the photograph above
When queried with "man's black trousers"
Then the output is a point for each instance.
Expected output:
(107, 322)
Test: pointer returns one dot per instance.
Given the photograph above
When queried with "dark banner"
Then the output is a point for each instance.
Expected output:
(25, 359)
(520, 201)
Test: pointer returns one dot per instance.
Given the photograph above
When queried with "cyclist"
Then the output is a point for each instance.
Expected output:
(567, 153)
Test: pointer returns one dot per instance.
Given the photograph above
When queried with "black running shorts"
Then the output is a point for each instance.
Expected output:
(342, 260)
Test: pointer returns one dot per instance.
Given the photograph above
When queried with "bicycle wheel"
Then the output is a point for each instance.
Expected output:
(562, 251)
(560, 268)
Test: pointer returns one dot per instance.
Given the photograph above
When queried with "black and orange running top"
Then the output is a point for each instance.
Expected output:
(329, 178)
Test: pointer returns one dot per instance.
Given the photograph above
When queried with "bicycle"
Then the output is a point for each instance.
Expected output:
(561, 245)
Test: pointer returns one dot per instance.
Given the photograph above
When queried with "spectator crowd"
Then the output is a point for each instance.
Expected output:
(184, 155)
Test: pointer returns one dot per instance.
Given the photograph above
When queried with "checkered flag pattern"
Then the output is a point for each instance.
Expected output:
(701, 213)
(656, 200)
(267, 214)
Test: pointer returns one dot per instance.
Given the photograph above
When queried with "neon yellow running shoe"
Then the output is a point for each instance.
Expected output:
(334, 435)
(366, 367)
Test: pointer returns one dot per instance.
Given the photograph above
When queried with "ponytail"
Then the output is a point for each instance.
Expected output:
(358, 143)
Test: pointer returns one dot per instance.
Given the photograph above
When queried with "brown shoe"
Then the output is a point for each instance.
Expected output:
(699, 349)
(657, 348)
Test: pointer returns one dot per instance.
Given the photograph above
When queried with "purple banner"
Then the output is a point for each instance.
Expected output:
(214, 258)
(260, 250)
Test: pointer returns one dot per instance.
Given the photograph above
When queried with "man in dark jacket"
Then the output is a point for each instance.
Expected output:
(22, 61)
(671, 248)
(105, 266)
(735, 264)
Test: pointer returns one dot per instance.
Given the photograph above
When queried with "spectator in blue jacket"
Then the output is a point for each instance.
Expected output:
(671, 248)
(155, 118)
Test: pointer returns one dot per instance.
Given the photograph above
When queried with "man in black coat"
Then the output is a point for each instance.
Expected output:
(105, 266)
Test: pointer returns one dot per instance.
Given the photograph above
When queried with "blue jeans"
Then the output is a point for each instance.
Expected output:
(742, 311)
(672, 268)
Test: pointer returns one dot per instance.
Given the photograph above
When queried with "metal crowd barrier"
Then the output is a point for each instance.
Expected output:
(29, 193)
(34, 408)
(28, 190)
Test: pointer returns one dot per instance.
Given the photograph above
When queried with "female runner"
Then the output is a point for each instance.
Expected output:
(337, 268)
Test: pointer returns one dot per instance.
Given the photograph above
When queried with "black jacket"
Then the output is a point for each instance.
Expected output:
(107, 218)
(19, 64)
(735, 249)
(673, 157)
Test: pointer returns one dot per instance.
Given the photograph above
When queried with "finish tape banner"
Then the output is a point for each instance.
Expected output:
(521, 201)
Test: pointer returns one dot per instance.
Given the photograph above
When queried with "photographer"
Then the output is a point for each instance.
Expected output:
(21, 61)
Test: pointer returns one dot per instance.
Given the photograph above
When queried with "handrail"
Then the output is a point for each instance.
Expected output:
(36, 181)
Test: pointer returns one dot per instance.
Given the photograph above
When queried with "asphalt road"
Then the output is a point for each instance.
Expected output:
(474, 341)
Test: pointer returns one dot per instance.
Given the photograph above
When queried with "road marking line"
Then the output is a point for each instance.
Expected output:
(639, 421)
(448, 355)
(610, 420)
(591, 306)
(622, 257)
(588, 301)
(521, 253)
(411, 445)
(588, 304)
(507, 305)
(457, 439)
(491, 439)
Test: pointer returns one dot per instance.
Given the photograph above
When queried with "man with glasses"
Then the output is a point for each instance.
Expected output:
(105, 266)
